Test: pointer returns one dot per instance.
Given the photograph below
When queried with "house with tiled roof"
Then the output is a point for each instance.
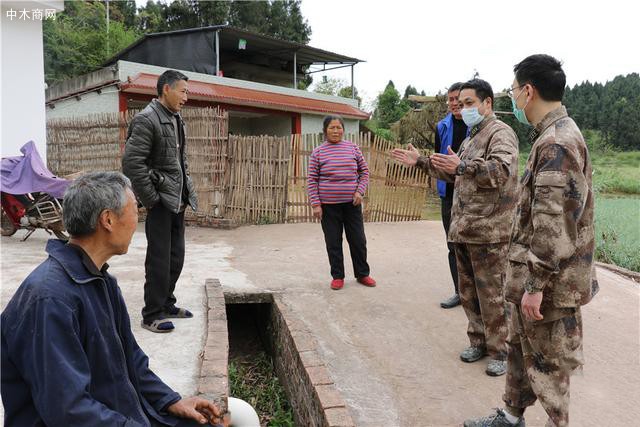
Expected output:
(254, 77)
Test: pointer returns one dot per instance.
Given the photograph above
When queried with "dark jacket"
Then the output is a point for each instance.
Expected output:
(152, 162)
(69, 357)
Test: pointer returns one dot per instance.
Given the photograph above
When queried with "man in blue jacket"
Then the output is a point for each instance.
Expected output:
(69, 357)
(450, 132)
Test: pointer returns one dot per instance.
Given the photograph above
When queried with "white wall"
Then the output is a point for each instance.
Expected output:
(89, 103)
(312, 123)
(22, 111)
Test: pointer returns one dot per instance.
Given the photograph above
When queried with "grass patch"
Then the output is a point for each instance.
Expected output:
(618, 231)
(252, 379)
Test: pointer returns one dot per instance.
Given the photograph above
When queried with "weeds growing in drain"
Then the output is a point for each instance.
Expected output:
(252, 378)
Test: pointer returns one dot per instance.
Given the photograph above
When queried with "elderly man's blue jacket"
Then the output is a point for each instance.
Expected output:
(69, 357)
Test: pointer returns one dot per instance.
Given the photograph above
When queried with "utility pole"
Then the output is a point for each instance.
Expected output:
(108, 49)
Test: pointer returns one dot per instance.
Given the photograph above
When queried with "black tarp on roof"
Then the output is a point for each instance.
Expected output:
(194, 50)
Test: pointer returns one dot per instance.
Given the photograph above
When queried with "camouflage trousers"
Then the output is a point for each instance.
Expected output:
(481, 270)
(542, 356)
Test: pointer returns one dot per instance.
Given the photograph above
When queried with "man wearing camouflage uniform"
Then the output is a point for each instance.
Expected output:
(484, 173)
(550, 273)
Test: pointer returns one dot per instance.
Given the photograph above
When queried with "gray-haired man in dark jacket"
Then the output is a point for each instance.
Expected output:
(155, 161)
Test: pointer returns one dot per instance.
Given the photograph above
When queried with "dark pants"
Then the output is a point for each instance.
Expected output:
(345, 216)
(445, 207)
(165, 257)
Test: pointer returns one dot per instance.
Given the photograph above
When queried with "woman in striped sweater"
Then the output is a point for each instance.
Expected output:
(338, 178)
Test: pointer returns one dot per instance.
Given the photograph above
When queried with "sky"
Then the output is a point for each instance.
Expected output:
(431, 44)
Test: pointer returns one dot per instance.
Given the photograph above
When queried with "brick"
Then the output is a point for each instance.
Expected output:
(216, 387)
(329, 396)
(310, 358)
(338, 417)
(319, 375)
(304, 341)
(214, 368)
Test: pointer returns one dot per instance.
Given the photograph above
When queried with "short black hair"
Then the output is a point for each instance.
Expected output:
(454, 87)
(544, 72)
(328, 119)
(169, 77)
(482, 87)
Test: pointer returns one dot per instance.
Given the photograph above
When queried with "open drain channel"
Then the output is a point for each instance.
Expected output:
(255, 341)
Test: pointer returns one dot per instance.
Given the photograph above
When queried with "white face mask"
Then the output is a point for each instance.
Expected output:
(471, 116)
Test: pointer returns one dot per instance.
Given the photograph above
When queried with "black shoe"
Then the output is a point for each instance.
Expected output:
(495, 420)
(451, 302)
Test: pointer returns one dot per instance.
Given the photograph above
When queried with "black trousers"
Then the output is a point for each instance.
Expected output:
(345, 216)
(165, 258)
(445, 208)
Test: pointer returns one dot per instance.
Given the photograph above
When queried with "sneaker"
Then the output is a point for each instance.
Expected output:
(337, 284)
(451, 302)
(495, 368)
(367, 281)
(498, 419)
(471, 354)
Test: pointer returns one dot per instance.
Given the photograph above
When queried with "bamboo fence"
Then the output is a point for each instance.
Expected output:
(250, 179)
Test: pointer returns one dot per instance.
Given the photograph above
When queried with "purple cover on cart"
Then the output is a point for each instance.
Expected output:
(28, 174)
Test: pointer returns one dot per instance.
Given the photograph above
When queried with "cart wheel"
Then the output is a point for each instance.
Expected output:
(8, 228)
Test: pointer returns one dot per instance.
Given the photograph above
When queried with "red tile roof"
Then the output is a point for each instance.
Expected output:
(146, 83)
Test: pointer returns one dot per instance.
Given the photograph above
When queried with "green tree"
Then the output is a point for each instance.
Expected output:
(76, 42)
(389, 106)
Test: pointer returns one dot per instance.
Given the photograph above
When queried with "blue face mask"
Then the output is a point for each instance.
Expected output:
(519, 112)
(471, 116)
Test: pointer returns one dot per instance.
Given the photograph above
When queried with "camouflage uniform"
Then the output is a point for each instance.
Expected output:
(484, 202)
(551, 252)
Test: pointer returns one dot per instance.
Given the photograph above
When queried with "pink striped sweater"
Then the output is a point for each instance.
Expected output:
(336, 172)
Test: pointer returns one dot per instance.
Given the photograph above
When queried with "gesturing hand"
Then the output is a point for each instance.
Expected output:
(446, 162)
(407, 157)
(197, 409)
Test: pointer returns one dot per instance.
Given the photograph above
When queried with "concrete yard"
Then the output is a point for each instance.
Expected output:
(391, 350)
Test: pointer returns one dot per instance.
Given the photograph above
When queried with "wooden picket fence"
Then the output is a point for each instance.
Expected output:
(248, 179)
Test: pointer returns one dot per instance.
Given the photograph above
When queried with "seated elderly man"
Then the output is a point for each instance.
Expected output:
(69, 357)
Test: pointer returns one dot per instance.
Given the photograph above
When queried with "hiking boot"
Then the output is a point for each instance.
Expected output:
(495, 368)
(367, 281)
(495, 420)
(337, 284)
(451, 302)
(471, 354)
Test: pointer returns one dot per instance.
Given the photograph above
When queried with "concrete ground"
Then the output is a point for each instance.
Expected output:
(391, 350)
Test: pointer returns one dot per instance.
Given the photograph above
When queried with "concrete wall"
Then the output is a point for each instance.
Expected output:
(89, 103)
(312, 123)
(22, 78)
(271, 125)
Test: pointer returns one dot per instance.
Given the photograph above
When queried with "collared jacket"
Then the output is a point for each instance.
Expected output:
(484, 197)
(553, 241)
(445, 133)
(69, 357)
(154, 163)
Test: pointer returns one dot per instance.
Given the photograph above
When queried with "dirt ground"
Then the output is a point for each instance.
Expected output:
(391, 350)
